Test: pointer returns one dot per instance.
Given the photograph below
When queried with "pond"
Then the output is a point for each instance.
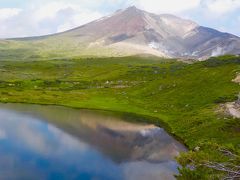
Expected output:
(51, 142)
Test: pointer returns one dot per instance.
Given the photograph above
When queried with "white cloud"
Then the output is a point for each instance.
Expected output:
(40, 17)
(222, 6)
(168, 6)
(54, 16)
(67, 14)
(7, 16)
(77, 19)
(6, 13)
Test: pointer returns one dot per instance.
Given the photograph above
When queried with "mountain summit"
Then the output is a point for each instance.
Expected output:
(133, 31)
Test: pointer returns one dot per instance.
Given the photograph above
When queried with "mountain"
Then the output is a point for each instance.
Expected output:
(134, 32)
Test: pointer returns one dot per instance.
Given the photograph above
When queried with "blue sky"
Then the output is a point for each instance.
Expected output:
(20, 18)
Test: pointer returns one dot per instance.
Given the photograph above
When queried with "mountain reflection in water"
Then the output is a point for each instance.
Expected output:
(49, 142)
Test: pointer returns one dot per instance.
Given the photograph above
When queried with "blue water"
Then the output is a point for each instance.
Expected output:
(38, 142)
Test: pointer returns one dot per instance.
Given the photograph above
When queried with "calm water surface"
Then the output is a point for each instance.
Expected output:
(49, 142)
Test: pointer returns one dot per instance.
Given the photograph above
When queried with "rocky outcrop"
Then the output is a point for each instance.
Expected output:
(233, 108)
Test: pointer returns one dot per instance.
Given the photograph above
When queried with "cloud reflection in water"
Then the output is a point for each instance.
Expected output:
(95, 147)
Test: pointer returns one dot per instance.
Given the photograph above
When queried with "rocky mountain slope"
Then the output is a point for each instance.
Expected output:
(133, 32)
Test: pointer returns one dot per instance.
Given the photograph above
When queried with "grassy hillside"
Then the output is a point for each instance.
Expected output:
(52, 47)
(183, 98)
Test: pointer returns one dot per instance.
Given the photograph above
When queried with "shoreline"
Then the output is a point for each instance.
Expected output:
(134, 117)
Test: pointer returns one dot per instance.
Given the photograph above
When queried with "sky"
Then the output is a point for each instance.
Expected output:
(22, 18)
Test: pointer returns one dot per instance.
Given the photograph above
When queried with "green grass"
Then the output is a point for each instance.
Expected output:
(181, 97)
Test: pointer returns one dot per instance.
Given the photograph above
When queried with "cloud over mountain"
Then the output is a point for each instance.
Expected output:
(31, 18)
